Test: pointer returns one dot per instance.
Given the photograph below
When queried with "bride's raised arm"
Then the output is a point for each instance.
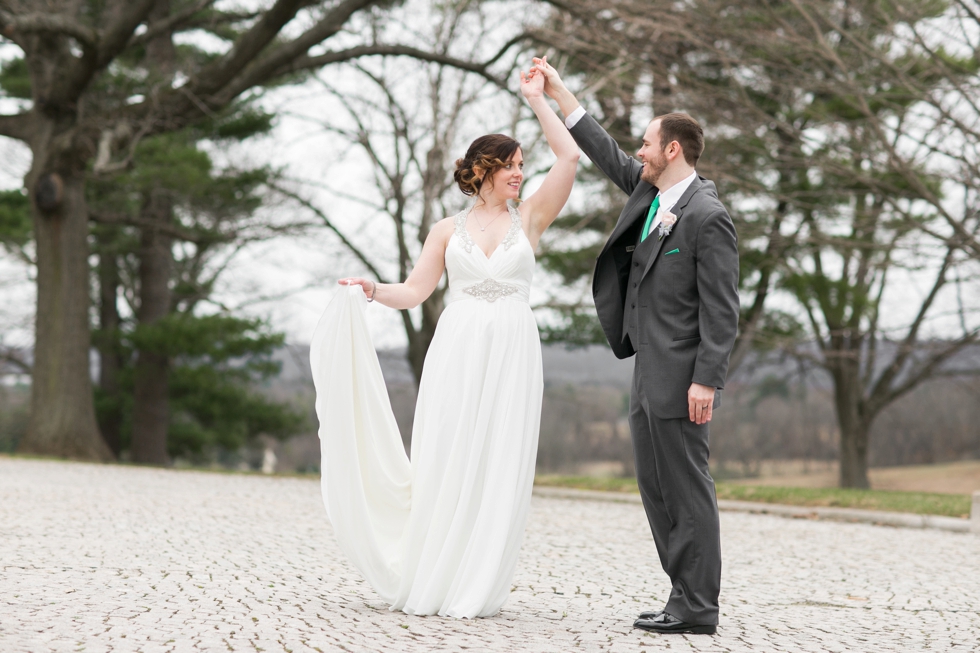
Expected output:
(421, 281)
(543, 206)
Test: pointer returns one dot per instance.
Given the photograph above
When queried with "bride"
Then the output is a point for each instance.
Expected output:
(441, 534)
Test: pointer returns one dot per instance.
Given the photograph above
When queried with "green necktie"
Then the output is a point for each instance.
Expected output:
(650, 216)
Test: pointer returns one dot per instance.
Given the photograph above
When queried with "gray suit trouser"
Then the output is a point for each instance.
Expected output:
(671, 457)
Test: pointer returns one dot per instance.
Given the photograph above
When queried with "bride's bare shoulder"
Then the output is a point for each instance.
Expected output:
(445, 226)
(442, 231)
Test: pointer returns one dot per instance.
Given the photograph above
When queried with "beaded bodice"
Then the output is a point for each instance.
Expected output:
(467, 241)
(506, 273)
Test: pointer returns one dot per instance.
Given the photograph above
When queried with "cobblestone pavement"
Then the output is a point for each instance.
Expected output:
(100, 558)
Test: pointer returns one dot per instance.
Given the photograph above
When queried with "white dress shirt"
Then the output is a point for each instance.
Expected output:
(574, 116)
(669, 197)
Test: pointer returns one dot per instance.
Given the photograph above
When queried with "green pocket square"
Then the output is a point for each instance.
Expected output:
(673, 251)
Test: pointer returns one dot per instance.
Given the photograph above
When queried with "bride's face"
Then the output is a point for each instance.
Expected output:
(507, 180)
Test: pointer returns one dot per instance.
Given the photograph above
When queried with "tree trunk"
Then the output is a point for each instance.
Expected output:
(151, 378)
(151, 404)
(62, 419)
(107, 344)
(854, 456)
(854, 429)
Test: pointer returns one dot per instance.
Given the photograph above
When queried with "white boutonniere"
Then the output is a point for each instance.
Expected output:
(667, 221)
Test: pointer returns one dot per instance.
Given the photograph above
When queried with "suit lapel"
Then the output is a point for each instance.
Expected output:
(678, 210)
(628, 218)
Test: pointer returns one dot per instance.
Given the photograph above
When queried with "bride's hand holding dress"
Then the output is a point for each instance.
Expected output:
(421, 282)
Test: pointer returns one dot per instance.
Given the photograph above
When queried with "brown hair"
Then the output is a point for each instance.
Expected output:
(686, 131)
(487, 154)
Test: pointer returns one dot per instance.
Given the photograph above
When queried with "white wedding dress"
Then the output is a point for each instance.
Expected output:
(439, 534)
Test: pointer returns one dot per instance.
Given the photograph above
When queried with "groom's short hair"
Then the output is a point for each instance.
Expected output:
(686, 131)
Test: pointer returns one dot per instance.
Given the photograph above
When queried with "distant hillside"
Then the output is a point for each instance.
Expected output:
(595, 366)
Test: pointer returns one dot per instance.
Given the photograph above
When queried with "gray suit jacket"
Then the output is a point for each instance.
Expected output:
(687, 300)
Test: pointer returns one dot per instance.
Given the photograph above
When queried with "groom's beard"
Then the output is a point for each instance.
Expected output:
(652, 169)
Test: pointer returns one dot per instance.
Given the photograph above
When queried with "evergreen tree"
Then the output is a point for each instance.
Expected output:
(161, 228)
(181, 382)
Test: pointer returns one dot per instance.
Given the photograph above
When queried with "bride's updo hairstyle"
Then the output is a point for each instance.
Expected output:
(485, 156)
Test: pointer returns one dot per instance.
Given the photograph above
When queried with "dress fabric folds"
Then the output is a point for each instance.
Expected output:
(439, 534)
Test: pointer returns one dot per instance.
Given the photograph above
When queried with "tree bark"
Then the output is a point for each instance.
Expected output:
(151, 378)
(151, 404)
(110, 358)
(62, 419)
(854, 426)
(854, 456)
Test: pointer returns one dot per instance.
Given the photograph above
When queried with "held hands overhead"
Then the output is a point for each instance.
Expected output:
(532, 83)
(553, 85)
(543, 73)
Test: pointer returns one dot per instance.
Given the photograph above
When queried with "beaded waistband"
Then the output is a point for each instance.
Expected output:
(490, 290)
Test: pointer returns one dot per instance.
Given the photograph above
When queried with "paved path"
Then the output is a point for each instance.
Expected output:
(101, 558)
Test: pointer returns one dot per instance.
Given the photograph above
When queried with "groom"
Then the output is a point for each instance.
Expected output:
(666, 289)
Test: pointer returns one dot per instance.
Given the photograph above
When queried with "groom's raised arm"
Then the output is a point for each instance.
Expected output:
(598, 145)
(605, 153)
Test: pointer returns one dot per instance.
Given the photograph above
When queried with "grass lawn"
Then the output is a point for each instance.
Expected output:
(920, 503)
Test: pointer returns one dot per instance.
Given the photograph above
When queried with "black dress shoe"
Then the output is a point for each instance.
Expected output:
(665, 623)
(650, 614)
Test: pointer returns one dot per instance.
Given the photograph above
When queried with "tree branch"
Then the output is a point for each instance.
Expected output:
(928, 370)
(7, 355)
(882, 387)
(266, 67)
(106, 46)
(39, 23)
(215, 76)
(115, 38)
(171, 23)
(173, 230)
(332, 227)
(246, 66)
(307, 63)
(16, 126)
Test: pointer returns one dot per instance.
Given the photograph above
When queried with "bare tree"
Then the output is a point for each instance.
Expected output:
(71, 125)
(843, 136)
(869, 197)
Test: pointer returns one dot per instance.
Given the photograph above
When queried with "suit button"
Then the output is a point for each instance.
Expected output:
(633, 305)
(636, 265)
(634, 285)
